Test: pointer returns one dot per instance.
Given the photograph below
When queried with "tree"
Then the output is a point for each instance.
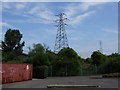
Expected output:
(68, 53)
(11, 46)
(40, 61)
(97, 58)
(88, 60)
(51, 56)
(37, 55)
(112, 65)
(47, 48)
(68, 62)
(113, 55)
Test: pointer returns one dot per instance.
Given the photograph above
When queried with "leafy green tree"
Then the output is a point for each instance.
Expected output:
(105, 64)
(97, 58)
(11, 46)
(68, 53)
(88, 60)
(40, 61)
(40, 71)
(37, 55)
(112, 65)
(113, 55)
(51, 56)
(67, 63)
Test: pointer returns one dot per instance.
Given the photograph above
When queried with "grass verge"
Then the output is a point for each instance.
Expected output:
(111, 75)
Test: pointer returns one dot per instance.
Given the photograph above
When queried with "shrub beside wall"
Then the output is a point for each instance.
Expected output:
(40, 72)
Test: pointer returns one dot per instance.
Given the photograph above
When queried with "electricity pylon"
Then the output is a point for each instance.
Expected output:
(61, 37)
(101, 50)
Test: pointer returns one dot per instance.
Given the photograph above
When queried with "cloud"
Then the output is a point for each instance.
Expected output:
(60, 0)
(86, 5)
(6, 6)
(80, 18)
(111, 31)
(88, 0)
(5, 24)
(42, 11)
(78, 12)
(32, 11)
(0, 34)
(17, 8)
(20, 6)
(73, 9)
(14, 5)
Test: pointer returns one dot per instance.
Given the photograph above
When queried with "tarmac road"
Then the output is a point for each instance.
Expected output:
(75, 80)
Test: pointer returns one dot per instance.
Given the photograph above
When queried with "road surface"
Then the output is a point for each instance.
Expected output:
(75, 80)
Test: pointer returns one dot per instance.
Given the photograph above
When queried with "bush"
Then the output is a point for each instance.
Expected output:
(37, 56)
(40, 71)
(68, 63)
(111, 75)
(112, 65)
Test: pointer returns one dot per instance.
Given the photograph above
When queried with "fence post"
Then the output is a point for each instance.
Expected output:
(81, 69)
(95, 69)
(51, 70)
(66, 70)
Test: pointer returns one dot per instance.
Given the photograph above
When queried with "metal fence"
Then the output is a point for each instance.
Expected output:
(65, 71)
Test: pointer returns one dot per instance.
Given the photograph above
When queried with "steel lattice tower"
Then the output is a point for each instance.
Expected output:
(61, 38)
(101, 50)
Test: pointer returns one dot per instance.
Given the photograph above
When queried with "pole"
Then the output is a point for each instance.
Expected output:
(66, 69)
(51, 70)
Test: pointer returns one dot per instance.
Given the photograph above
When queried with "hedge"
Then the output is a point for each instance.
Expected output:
(40, 71)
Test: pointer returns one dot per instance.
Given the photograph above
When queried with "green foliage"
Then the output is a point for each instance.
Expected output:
(58, 68)
(97, 58)
(8, 56)
(73, 67)
(37, 49)
(111, 75)
(12, 41)
(67, 63)
(15, 61)
(88, 60)
(40, 71)
(112, 65)
(40, 61)
(68, 53)
(105, 64)
(87, 69)
(37, 55)
(113, 55)
(51, 56)
(11, 46)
